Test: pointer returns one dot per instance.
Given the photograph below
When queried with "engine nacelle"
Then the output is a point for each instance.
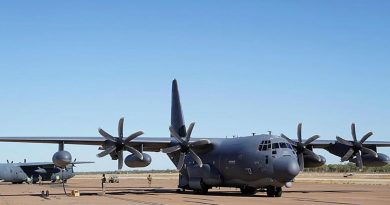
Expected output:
(133, 161)
(311, 162)
(40, 170)
(371, 161)
(62, 159)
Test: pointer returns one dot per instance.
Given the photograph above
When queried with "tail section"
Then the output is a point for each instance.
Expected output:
(177, 119)
(178, 124)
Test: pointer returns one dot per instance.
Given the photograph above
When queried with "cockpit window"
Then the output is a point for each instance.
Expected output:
(265, 145)
(289, 146)
(275, 146)
(283, 145)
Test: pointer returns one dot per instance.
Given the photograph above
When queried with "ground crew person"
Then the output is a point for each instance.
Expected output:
(104, 180)
(149, 180)
(39, 179)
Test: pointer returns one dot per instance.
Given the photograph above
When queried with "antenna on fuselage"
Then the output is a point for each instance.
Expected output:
(270, 133)
(253, 133)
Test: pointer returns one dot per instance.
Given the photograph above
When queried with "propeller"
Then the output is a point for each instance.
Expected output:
(301, 147)
(118, 144)
(185, 147)
(356, 147)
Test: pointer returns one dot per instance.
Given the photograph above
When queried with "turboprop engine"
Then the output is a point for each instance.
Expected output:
(62, 158)
(134, 161)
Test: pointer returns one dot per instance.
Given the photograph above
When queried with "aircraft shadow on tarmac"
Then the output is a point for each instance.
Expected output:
(326, 191)
(158, 190)
(320, 201)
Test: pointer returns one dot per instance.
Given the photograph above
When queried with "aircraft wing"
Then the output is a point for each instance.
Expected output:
(35, 164)
(45, 164)
(149, 144)
(326, 143)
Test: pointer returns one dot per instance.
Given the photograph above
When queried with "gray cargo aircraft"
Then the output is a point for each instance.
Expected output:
(259, 162)
(29, 172)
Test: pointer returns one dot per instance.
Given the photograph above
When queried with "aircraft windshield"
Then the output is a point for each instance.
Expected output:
(267, 145)
(281, 145)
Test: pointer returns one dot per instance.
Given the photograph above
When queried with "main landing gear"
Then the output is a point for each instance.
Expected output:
(274, 191)
(247, 190)
(204, 189)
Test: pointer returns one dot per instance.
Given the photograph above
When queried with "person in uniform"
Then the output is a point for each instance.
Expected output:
(149, 178)
(104, 180)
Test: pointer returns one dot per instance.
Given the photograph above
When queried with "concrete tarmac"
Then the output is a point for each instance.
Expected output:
(135, 190)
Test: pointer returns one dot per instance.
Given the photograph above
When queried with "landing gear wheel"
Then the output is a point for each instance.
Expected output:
(278, 192)
(203, 190)
(248, 190)
(180, 190)
(274, 191)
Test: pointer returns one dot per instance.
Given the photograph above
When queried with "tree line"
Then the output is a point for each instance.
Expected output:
(349, 167)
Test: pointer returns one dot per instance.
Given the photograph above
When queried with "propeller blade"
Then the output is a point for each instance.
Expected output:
(200, 143)
(106, 135)
(365, 137)
(301, 161)
(311, 139)
(120, 160)
(196, 158)
(343, 141)
(135, 152)
(180, 163)
(176, 136)
(120, 127)
(133, 136)
(289, 140)
(353, 131)
(347, 155)
(189, 131)
(369, 151)
(171, 149)
(311, 153)
(299, 132)
(359, 161)
(106, 151)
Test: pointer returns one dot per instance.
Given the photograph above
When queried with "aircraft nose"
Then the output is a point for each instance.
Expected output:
(286, 168)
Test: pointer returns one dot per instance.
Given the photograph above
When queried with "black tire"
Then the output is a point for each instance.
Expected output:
(278, 192)
(270, 191)
(274, 191)
(203, 190)
(248, 190)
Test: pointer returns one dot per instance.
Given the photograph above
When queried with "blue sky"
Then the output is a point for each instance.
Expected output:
(70, 67)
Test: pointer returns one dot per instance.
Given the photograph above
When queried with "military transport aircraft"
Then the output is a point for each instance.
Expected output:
(267, 162)
(29, 172)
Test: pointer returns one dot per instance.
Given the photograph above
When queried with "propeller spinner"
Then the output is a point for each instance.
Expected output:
(356, 147)
(301, 147)
(185, 147)
(118, 144)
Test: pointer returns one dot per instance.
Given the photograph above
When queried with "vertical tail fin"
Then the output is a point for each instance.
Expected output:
(177, 118)
(177, 123)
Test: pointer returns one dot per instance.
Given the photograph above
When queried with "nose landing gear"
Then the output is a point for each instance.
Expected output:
(274, 191)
